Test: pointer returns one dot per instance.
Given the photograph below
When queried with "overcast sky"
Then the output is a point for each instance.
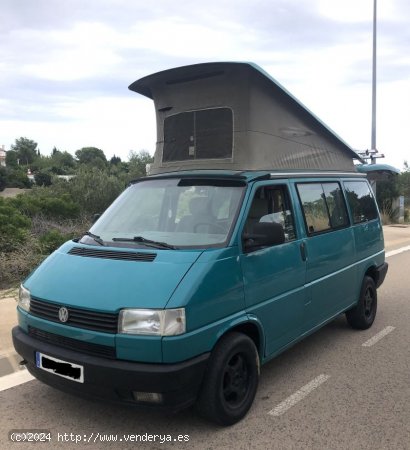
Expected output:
(65, 65)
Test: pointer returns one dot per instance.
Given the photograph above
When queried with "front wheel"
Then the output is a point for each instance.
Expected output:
(363, 314)
(231, 380)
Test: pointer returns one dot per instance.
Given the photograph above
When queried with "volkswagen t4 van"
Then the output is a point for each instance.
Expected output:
(252, 231)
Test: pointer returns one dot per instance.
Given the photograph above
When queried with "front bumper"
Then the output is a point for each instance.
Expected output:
(116, 380)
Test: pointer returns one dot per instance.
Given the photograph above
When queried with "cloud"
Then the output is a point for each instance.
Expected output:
(65, 66)
(79, 53)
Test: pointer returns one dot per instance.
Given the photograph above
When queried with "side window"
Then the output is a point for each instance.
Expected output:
(335, 204)
(271, 204)
(323, 206)
(361, 201)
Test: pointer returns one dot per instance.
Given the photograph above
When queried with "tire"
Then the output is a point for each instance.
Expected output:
(230, 381)
(362, 316)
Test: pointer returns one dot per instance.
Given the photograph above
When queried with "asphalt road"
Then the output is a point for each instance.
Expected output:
(327, 392)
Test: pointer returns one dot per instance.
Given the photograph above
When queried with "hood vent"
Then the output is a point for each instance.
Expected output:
(112, 254)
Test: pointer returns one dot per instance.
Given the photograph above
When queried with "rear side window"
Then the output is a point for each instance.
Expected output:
(361, 201)
(323, 206)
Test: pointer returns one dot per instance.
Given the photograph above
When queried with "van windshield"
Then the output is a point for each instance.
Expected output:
(170, 213)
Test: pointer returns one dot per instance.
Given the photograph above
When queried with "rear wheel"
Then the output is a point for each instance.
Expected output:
(231, 380)
(363, 314)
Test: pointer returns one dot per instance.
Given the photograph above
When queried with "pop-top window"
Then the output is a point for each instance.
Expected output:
(203, 134)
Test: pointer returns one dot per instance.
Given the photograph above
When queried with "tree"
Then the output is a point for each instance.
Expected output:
(26, 150)
(11, 158)
(387, 191)
(62, 163)
(115, 160)
(3, 178)
(138, 163)
(91, 155)
(404, 184)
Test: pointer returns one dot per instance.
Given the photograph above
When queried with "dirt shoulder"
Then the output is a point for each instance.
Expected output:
(12, 192)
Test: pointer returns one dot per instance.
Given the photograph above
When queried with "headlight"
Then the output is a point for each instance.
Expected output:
(157, 322)
(24, 298)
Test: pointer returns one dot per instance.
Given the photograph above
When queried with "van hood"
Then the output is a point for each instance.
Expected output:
(109, 279)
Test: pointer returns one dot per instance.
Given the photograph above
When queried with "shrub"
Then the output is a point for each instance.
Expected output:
(15, 266)
(17, 178)
(45, 202)
(51, 240)
(40, 225)
(94, 190)
(44, 237)
(13, 227)
(42, 178)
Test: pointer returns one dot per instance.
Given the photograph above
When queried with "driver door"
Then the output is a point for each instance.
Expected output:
(274, 277)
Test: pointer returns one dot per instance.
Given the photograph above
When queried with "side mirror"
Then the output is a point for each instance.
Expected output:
(265, 234)
(96, 217)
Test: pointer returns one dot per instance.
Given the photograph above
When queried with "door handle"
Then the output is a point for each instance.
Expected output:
(303, 251)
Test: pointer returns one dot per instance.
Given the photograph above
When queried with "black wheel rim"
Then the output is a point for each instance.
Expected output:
(368, 302)
(236, 380)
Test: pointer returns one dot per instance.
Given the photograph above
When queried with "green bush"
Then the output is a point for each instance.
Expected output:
(17, 178)
(45, 202)
(42, 178)
(94, 190)
(14, 227)
(51, 240)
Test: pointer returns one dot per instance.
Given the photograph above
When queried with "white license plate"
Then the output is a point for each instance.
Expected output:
(64, 369)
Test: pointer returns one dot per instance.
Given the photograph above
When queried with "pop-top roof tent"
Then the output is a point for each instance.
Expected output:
(233, 115)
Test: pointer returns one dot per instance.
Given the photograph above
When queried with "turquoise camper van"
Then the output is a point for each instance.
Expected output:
(252, 230)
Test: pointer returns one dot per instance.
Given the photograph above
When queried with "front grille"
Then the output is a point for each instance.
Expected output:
(112, 254)
(77, 317)
(72, 344)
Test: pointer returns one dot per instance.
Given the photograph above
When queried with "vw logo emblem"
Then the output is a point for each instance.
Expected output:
(63, 314)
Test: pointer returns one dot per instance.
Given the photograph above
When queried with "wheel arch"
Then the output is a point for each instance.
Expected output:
(372, 273)
(251, 327)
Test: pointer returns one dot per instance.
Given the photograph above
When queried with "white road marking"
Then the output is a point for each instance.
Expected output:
(14, 379)
(396, 252)
(298, 395)
(378, 336)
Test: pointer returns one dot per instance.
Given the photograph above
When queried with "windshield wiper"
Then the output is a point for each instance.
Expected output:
(95, 237)
(148, 242)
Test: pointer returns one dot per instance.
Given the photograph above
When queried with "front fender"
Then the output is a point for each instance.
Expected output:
(204, 339)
